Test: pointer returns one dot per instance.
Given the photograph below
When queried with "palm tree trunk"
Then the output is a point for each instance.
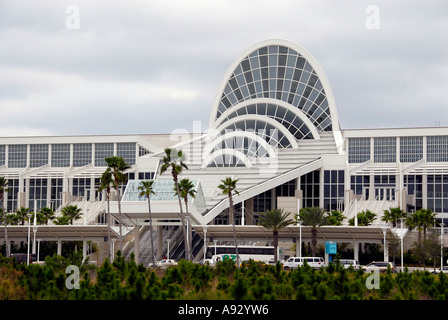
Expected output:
(8, 249)
(313, 240)
(189, 233)
(150, 232)
(119, 217)
(234, 229)
(275, 237)
(108, 226)
(187, 249)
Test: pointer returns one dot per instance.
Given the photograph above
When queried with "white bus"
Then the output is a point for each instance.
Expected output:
(258, 253)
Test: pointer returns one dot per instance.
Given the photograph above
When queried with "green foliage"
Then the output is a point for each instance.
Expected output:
(125, 280)
(365, 218)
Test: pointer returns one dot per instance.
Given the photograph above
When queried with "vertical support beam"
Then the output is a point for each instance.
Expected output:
(59, 249)
(159, 242)
(84, 250)
(356, 250)
(425, 191)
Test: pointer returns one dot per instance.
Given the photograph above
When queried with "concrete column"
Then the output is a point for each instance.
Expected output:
(59, 251)
(356, 250)
(159, 242)
(84, 250)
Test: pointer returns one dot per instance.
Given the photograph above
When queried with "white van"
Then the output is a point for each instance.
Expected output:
(313, 262)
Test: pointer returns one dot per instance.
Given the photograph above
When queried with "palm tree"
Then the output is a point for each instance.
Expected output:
(174, 159)
(106, 183)
(393, 215)
(116, 167)
(421, 220)
(365, 218)
(3, 189)
(335, 218)
(71, 213)
(146, 190)
(21, 214)
(314, 217)
(228, 186)
(44, 215)
(186, 188)
(275, 220)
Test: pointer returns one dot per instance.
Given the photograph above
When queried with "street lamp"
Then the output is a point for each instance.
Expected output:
(168, 255)
(441, 247)
(205, 242)
(29, 240)
(299, 222)
(401, 236)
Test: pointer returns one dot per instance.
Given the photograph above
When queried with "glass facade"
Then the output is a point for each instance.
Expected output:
(411, 149)
(282, 115)
(38, 155)
(2, 155)
(437, 149)
(309, 184)
(17, 156)
(334, 190)
(281, 73)
(37, 193)
(438, 193)
(82, 154)
(102, 151)
(127, 152)
(358, 150)
(60, 155)
(385, 149)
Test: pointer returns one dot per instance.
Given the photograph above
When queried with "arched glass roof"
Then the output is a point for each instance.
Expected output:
(280, 73)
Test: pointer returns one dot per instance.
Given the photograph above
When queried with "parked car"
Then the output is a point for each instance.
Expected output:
(380, 266)
(165, 263)
(22, 257)
(347, 263)
(437, 270)
(294, 262)
(210, 262)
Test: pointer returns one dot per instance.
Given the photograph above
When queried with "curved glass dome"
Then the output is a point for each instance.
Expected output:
(277, 91)
(278, 72)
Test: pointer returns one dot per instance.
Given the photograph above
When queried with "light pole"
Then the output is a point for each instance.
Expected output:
(29, 240)
(441, 247)
(168, 255)
(401, 236)
(35, 227)
(205, 242)
(299, 222)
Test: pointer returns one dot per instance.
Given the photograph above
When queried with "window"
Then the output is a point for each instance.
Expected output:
(2, 155)
(127, 152)
(17, 156)
(38, 193)
(411, 149)
(358, 150)
(385, 149)
(334, 190)
(82, 154)
(437, 193)
(60, 155)
(102, 151)
(437, 149)
(360, 185)
(38, 155)
(268, 72)
(309, 184)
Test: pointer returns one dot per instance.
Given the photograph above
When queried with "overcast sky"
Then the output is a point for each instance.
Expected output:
(123, 67)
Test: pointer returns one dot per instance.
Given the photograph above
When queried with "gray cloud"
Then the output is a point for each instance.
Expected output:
(154, 66)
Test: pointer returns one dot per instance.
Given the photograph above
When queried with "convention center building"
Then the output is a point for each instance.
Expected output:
(274, 127)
